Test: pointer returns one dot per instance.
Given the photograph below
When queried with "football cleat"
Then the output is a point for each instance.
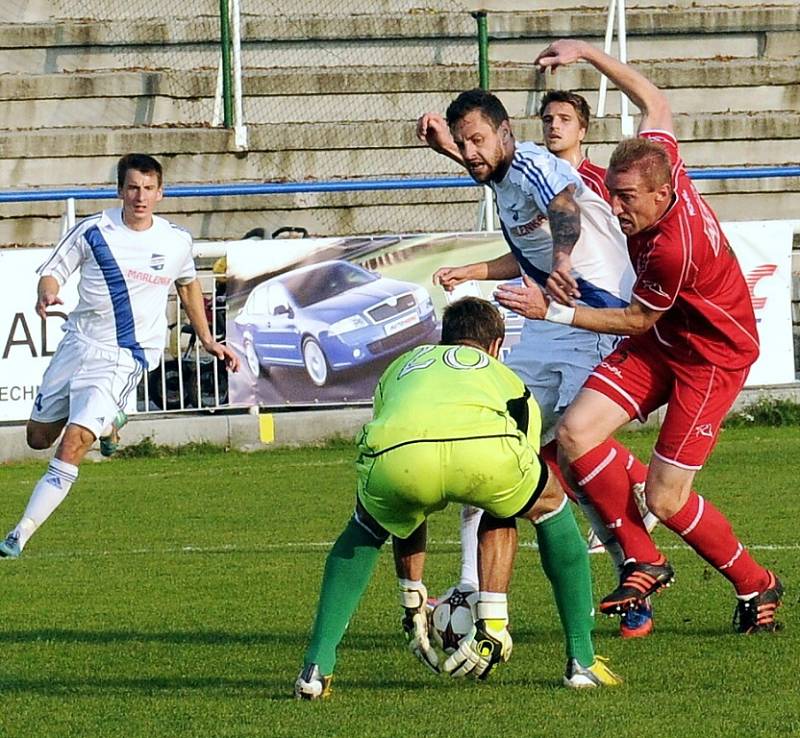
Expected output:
(596, 675)
(757, 615)
(637, 622)
(110, 443)
(637, 583)
(311, 685)
(9, 546)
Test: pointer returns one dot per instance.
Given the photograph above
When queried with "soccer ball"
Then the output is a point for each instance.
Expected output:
(453, 617)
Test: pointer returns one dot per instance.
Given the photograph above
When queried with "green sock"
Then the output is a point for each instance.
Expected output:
(348, 570)
(565, 561)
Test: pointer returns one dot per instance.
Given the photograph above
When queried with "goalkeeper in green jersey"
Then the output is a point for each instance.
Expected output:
(451, 423)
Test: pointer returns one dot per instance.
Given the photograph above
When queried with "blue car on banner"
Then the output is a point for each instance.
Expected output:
(331, 316)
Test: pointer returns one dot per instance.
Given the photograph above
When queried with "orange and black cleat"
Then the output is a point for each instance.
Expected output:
(757, 614)
(637, 583)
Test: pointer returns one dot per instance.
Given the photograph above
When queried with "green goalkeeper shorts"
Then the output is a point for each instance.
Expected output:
(403, 485)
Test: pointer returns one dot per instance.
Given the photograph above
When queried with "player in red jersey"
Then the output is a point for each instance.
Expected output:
(565, 122)
(692, 341)
(565, 119)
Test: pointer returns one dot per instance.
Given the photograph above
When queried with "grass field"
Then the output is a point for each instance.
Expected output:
(173, 596)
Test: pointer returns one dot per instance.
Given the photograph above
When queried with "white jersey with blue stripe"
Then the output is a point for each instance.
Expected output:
(125, 278)
(600, 257)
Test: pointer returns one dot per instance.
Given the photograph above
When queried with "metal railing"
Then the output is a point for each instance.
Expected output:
(167, 388)
(353, 185)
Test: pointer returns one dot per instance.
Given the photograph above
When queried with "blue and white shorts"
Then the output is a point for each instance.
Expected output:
(554, 361)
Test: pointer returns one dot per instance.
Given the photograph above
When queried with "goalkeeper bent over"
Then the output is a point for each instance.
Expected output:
(451, 423)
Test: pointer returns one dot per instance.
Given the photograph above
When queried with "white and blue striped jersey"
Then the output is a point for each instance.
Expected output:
(125, 277)
(600, 257)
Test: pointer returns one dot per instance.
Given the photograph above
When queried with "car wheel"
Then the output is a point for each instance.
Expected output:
(253, 364)
(315, 363)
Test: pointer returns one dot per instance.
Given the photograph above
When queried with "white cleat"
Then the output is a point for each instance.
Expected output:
(311, 685)
(596, 675)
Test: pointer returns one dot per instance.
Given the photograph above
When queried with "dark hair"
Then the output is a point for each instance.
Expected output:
(141, 163)
(472, 320)
(649, 157)
(489, 105)
(573, 98)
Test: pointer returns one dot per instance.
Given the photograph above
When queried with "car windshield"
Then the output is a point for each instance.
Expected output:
(316, 285)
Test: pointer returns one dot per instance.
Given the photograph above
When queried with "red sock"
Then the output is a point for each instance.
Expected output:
(602, 476)
(637, 470)
(549, 454)
(709, 533)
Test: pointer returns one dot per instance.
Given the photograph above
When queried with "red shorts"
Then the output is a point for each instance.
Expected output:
(640, 377)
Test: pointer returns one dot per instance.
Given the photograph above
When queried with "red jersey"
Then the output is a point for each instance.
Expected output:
(685, 267)
(594, 177)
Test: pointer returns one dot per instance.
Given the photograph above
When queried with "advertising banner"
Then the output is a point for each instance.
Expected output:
(26, 341)
(316, 321)
(764, 250)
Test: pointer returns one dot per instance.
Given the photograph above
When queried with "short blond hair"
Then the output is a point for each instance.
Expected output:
(649, 157)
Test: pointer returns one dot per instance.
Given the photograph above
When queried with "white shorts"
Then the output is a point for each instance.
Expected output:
(87, 383)
(554, 361)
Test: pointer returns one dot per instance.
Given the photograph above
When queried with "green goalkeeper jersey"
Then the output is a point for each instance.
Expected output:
(448, 393)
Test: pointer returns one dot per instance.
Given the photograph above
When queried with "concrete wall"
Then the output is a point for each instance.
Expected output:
(251, 432)
(335, 96)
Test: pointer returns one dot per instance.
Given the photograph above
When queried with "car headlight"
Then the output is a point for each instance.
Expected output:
(345, 325)
(423, 300)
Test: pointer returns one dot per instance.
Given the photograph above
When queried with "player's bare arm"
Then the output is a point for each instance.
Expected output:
(489, 643)
(409, 554)
(643, 93)
(191, 296)
(409, 564)
(47, 295)
(497, 548)
(529, 300)
(502, 267)
(565, 227)
(432, 130)
(632, 320)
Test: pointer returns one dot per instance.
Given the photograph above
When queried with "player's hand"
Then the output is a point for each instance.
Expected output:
(560, 53)
(45, 300)
(415, 625)
(450, 277)
(432, 130)
(561, 284)
(480, 652)
(221, 351)
(526, 299)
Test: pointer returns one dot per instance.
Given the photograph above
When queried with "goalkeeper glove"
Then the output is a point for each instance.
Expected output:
(488, 644)
(414, 599)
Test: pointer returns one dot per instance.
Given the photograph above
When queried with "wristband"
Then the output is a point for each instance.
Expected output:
(492, 606)
(558, 313)
(413, 594)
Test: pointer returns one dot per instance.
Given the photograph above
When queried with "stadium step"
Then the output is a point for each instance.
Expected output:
(322, 103)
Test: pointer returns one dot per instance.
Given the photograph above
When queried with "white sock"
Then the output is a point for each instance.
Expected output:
(650, 521)
(607, 538)
(470, 520)
(47, 495)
